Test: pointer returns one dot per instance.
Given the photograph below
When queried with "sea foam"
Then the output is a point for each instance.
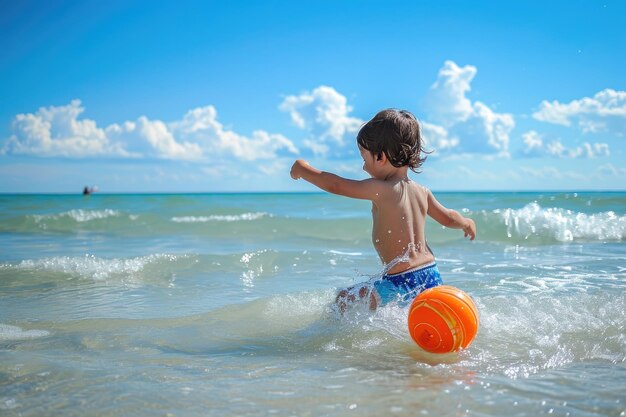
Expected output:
(95, 268)
(562, 224)
(220, 218)
(79, 215)
(9, 333)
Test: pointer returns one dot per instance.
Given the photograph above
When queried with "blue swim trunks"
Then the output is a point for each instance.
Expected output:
(405, 286)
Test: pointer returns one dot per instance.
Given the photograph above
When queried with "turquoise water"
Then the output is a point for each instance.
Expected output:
(218, 304)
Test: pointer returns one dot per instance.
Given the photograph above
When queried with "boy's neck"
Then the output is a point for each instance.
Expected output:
(396, 174)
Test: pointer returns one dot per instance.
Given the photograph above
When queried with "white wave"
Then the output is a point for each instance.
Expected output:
(338, 252)
(8, 332)
(564, 225)
(220, 218)
(93, 267)
(79, 215)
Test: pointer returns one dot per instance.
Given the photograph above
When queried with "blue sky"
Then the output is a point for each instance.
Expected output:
(222, 96)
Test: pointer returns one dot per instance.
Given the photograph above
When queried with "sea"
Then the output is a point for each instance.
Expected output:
(222, 305)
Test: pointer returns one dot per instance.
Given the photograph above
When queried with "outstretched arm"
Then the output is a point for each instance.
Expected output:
(366, 189)
(450, 218)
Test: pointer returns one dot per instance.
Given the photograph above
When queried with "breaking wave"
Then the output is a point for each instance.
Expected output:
(561, 224)
(152, 267)
(220, 218)
(79, 215)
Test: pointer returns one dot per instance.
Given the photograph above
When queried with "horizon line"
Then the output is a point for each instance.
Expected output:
(35, 193)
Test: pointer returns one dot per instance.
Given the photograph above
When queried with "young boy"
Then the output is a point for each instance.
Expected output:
(390, 144)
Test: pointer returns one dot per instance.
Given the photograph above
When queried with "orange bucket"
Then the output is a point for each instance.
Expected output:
(443, 319)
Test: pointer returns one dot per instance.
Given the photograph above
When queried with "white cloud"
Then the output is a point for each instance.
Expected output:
(273, 168)
(324, 113)
(479, 129)
(588, 150)
(162, 141)
(604, 112)
(535, 146)
(555, 148)
(58, 131)
(318, 148)
(437, 137)
(200, 125)
(495, 126)
(447, 95)
(351, 169)
(533, 142)
(611, 170)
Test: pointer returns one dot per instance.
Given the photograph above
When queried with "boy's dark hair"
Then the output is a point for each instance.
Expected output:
(397, 134)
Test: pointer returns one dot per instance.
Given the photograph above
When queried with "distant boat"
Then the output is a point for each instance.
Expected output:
(88, 191)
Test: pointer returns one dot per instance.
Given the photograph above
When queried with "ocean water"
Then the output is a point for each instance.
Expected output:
(218, 305)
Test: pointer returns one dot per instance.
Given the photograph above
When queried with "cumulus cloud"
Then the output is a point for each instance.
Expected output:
(473, 126)
(533, 142)
(163, 143)
(58, 131)
(534, 146)
(604, 112)
(447, 100)
(437, 137)
(201, 126)
(324, 114)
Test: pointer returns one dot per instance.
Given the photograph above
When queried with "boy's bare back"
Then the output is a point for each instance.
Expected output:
(399, 215)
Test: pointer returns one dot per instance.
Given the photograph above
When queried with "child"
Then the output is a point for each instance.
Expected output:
(390, 144)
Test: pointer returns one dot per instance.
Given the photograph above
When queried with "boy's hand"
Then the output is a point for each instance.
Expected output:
(470, 228)
(296, 169)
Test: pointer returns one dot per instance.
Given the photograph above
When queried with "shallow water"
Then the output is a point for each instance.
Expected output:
(219, 305)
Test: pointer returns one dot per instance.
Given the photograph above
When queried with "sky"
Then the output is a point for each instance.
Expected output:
(214, 96)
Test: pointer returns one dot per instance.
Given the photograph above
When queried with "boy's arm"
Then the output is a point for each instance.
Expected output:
(366, 189)
(450, 218)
